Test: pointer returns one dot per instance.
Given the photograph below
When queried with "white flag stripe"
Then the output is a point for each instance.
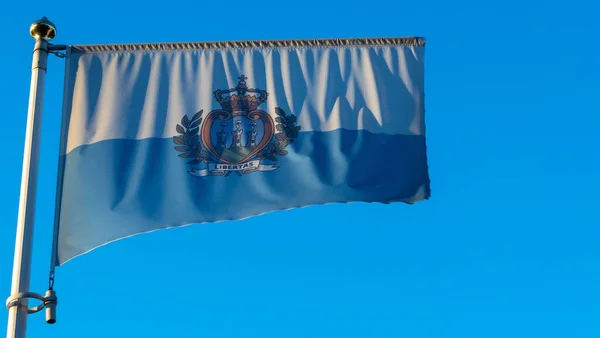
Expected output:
(377, 89)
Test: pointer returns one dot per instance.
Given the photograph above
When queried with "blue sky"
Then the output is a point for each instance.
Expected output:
(506, 247)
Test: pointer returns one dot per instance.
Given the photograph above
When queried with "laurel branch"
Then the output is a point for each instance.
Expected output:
(188, 141)
(287, 131)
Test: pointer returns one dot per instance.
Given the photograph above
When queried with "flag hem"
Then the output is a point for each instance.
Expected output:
(253, 44)
(66, 113)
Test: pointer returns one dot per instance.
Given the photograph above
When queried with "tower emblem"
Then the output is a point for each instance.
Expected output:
(238, 137)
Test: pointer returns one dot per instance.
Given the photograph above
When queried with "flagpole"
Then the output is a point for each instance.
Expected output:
(42, 31)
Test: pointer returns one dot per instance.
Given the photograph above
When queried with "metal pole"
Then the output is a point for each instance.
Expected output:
(42, 31)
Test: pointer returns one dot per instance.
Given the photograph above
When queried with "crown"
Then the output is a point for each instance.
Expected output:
(240, 102)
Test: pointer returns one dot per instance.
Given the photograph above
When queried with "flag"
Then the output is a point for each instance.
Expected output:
(164, 135)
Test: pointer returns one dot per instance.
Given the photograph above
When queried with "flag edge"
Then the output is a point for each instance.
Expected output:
(252, 44)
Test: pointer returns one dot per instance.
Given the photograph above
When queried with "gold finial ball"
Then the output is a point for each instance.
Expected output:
(43, 29)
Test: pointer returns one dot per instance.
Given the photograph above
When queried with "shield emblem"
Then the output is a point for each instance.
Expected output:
(235, 137)
(238, 137)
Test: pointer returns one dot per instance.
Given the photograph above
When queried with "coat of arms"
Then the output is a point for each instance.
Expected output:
(237, 138)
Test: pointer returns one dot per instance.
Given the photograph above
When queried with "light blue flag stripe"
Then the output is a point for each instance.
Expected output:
(118, 188)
